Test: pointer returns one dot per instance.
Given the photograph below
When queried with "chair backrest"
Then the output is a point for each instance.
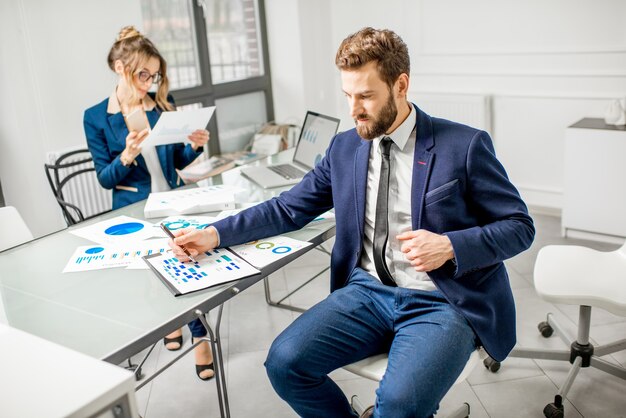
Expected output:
(13, 227)
(72, 178)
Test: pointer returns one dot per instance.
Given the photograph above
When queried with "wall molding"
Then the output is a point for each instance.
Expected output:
(525, 95)
(548, 198)
(598, 50)
(618, 48)
(534, 74)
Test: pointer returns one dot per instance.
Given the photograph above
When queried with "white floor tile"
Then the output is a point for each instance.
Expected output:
(521, 398)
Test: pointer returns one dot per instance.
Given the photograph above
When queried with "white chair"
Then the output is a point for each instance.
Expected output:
(13, 227)
(374, 367)
(576, 275)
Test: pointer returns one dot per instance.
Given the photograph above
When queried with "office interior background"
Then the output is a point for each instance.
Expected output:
(524, 71)
(541, 65)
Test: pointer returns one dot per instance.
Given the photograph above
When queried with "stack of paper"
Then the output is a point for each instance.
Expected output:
(196, 200)
(199, 170)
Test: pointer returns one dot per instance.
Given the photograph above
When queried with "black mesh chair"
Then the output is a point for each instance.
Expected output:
(73, 181)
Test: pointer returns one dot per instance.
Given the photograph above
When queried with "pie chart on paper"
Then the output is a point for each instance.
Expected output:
(120, 230)
(124, 228)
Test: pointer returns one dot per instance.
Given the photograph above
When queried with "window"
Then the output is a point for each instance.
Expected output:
(216, 53)
(234, 42)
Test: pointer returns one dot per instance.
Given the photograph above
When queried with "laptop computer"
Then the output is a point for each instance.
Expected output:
(315, 136)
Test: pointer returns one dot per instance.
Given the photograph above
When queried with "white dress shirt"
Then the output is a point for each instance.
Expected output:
(400, 177)
(158, 182)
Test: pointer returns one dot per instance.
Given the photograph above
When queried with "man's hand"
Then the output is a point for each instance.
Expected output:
(196, 241)
(425, 250)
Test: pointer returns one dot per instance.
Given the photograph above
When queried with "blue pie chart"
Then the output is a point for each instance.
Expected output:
(281, 250)
(94, 250)
(124, 229)
(173, 226)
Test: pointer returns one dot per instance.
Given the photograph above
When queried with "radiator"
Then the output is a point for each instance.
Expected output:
(470, 109)
(83, 191)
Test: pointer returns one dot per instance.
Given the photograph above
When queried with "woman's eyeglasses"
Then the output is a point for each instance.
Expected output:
(144, 75)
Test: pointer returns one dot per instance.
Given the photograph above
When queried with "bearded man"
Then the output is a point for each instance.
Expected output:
(425, 216)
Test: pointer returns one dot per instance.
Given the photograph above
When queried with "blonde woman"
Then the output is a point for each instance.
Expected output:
(133, 171)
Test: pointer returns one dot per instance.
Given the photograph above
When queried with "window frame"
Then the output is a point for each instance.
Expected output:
(207, 92)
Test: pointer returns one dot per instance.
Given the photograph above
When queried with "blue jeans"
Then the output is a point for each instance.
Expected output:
(428, 343)
(197, 329)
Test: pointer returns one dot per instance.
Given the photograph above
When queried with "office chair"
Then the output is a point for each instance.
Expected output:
(374, 368)
(14, 229)
(576, 275)
(73, 182)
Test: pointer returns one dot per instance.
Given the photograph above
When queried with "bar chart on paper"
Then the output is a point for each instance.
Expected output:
(211, 268)
(96, 257)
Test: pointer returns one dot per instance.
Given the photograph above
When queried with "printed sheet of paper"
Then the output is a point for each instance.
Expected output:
(174, 223)
(324, 217)
(174, 127)
(265, 251)
(211, 268)
(118, 231)
(226, 213)
(96, 257)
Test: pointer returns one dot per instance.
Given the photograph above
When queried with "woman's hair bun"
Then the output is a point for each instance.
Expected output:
(128, 32)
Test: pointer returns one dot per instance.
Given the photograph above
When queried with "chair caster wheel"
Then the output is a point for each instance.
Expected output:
(553, 411)
(492, 365)
(545, 329)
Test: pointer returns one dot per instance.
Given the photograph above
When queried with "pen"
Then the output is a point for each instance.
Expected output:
(169, 234)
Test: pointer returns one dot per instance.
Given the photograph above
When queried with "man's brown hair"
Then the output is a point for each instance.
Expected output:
(383, 46)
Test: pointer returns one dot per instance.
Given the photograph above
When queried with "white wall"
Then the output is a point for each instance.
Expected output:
(546, 64)
(53, 57)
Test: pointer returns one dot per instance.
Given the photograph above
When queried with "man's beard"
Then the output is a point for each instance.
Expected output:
(378, 125)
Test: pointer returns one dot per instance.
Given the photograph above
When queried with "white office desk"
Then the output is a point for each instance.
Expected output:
(112, 314)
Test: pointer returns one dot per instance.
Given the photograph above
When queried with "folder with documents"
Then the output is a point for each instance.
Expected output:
(192, 200)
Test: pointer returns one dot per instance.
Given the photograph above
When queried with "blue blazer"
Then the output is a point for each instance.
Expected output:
(459, 188)
(106, 139)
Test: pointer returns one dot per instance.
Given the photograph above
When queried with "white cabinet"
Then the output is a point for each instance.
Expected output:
(42, 379)
(595, 180)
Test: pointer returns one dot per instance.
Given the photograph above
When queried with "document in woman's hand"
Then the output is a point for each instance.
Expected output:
(174, 127)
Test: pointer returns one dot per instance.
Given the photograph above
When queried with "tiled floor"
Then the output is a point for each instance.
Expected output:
(520, 389)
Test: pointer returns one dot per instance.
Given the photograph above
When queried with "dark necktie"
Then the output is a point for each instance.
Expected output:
(381, 224)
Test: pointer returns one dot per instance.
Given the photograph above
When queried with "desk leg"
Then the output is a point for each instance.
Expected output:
(279, 303)
(218, 360)
(137, 368)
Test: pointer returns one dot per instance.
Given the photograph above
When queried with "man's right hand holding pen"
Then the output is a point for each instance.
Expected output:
(196, 241)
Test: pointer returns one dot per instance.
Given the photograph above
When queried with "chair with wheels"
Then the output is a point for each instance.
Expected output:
(575, 275)
(72, 178)
(374, 367)
(13, 227)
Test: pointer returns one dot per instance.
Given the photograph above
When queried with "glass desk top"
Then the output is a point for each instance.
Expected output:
(112, 314)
